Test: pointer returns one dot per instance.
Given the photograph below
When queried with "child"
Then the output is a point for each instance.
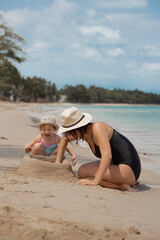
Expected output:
(47, 142)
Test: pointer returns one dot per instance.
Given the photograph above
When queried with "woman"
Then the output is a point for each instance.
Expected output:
(119, 166)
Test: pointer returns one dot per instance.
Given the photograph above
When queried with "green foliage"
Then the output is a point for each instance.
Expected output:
(25, 89)
(97, 94)
(10, 80)
(76, 94)
(39, 90)
(51, 92)
(11, 83)
(94, 94)
(10, 48)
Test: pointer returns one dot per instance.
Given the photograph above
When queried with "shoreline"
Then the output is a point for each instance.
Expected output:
(43, 208)
(27, 104)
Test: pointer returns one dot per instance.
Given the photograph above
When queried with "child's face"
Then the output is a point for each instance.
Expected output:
(47, 130)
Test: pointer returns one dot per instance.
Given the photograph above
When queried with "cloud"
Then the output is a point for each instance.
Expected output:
(38, 48)
(148, 69)
(150, 51)
(106, 32)
(85, 52)
(20, 17)
(91, 13)
(129, 4)
(115, 52)
(49, 25)
(89, 52)
(52, 15)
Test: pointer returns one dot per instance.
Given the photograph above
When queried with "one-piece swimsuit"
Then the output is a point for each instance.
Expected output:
(123, 152)
(48, 148)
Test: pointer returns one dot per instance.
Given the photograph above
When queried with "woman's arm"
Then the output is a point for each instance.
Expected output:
(104, 164)
(72, 153)
(61, 149)
(101, 137)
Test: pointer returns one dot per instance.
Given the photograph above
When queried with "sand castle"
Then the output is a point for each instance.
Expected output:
(45, 167)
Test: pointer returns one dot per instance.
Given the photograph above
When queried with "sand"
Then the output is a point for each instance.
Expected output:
(40, 200)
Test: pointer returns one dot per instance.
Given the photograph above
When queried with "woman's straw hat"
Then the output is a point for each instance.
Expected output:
(72, 118)
(50, 120)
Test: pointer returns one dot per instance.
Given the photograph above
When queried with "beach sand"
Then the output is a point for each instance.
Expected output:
(36, 204)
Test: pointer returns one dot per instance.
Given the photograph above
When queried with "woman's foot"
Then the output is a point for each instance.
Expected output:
(127, 187)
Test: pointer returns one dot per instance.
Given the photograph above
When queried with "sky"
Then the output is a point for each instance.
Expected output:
(106, 43)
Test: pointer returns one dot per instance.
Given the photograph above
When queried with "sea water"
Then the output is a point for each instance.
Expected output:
(140, 124)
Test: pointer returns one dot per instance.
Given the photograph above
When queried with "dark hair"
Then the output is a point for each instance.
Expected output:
(81, 130)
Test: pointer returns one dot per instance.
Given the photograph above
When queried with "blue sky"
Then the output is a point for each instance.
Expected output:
(106, 43)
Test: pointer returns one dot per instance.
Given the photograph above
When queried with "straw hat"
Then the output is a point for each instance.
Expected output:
(51, 120)
(72, 118)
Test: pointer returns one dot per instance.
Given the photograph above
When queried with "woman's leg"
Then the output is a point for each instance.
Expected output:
(116, 177)
(37, 149)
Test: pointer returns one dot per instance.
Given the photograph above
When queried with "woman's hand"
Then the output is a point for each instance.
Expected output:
(73, 160)
(87, 182)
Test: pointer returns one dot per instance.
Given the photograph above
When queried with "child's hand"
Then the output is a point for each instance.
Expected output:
(28, 148)
(73, 160)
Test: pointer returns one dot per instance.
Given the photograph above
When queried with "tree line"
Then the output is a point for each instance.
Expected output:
(93, 94)
(14, 87)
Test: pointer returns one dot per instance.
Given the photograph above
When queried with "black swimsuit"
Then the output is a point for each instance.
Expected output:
(123, 152)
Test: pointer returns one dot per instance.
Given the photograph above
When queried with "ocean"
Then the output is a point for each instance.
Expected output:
(139, 123)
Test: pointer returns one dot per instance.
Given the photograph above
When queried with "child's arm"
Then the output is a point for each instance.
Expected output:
(28, 146)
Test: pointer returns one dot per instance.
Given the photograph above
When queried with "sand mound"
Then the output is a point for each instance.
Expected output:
(45, 167)
(16, 225)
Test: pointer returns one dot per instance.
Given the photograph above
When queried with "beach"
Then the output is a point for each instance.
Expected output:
(42, 207)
